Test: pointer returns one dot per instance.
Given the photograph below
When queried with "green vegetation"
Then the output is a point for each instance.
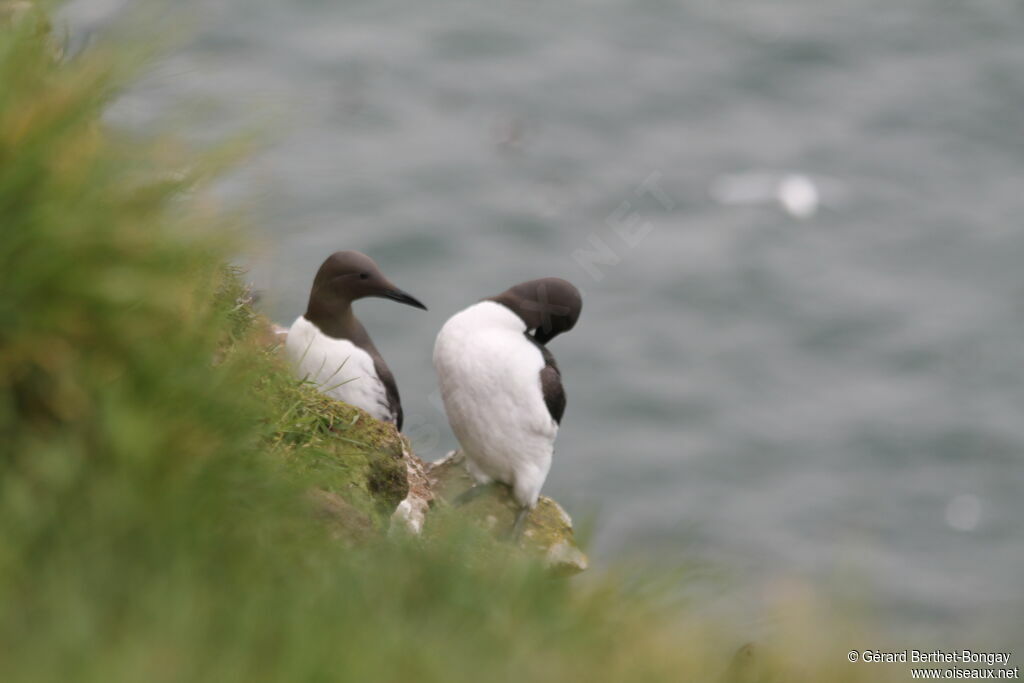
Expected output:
(156, 460)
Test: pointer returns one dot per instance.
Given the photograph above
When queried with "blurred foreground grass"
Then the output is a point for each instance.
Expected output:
(153, 518)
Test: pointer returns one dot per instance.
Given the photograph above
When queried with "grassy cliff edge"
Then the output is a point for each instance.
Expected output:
(161, 473)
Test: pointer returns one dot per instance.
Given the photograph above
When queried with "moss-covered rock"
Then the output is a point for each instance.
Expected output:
(342, 450)
(344, 521)
(364, 468)
(337, 449)
(548, 531)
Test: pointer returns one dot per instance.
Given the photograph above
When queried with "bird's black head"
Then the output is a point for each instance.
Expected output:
(347, 276)
(549, 306)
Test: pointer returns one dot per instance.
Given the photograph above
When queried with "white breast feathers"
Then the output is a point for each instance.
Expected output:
(489, 374)
(338, 368)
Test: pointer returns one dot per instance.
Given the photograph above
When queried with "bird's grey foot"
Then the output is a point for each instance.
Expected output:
(519, 525)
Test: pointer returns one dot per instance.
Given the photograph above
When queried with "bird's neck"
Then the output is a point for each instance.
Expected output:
(332, 317)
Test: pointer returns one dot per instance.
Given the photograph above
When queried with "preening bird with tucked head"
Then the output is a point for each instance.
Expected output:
(501, 387)
(549, 306)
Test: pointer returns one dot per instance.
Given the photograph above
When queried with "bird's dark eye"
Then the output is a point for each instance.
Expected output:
(364, 276)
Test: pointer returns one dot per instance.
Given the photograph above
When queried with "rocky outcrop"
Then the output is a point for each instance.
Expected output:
(411, 514)
(548, 531)
(357, 460)
(373, 481)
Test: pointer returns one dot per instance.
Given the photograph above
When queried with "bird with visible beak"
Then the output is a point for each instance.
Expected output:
(329, 347)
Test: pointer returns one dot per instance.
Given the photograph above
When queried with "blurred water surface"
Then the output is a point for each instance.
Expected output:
(836, 398)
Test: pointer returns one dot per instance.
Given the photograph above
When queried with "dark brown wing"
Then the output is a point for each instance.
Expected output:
(551, 383)
(391, 389)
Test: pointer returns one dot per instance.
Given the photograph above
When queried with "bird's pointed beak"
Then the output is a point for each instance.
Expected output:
(401, 297)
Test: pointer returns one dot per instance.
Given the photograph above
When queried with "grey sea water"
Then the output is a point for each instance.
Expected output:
(832, 397)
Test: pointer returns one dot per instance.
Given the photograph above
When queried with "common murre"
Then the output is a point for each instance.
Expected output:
(501, 388)
(329, 346)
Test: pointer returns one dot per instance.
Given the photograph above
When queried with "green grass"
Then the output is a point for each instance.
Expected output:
(155, 459)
